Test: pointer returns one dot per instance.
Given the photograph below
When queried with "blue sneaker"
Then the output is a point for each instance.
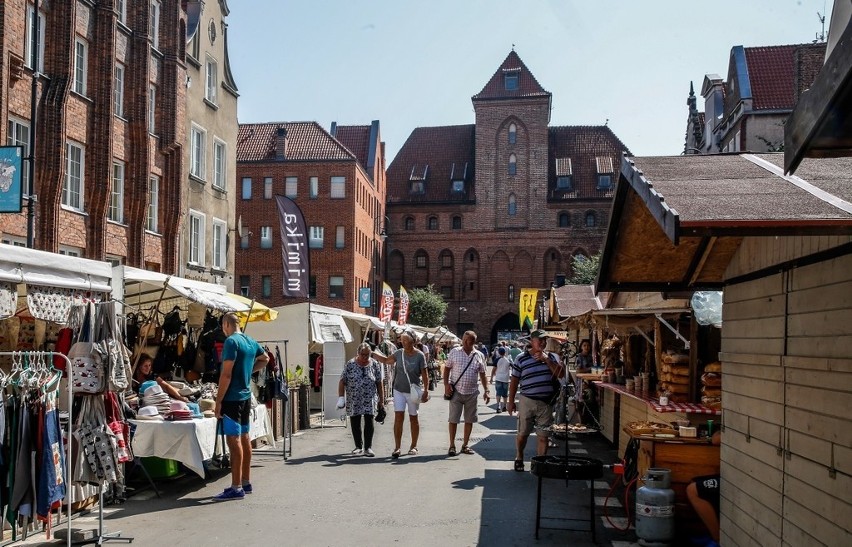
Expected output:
(247, 487)
(230, 493)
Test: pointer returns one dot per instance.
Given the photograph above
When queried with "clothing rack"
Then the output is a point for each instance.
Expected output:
(287, 434)
(49, 355)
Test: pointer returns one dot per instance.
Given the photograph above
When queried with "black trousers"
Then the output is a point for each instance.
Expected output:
(368, 430)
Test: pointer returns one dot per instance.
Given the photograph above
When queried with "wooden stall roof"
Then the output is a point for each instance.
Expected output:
(677, 221)
(576, 300)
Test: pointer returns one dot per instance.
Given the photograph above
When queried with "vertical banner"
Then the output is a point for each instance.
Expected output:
(11, 169)
(364, 297)
(402, 316)
(527, 308)
(294, 248)
(386, 304)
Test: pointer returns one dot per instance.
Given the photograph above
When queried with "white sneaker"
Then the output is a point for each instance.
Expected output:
(369, 453)
(357, 452)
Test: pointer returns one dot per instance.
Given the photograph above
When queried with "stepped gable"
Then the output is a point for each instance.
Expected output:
(306, 141)
(583, 144)
(439, 153)
(773, 73)
(528, 86)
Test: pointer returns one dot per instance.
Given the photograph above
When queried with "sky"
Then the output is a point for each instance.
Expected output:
(417, 63)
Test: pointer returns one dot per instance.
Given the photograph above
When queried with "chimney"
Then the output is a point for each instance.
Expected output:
(281, 143)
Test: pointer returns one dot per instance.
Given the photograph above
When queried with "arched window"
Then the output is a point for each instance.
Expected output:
(513, 205)
(513, 165)
(511, 293)
(513, 134)
(564, 220)
(420, 259)
(591, 219)
(409, 224)
(457, 223)
(432, 223)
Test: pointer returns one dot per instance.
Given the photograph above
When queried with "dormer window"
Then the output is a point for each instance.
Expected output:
(605, 172)
(513, 134)
(417, 180)
(564, 175)
(510, 80)
(604, 182)
(565, 183)
(458, 186)
(417, 187)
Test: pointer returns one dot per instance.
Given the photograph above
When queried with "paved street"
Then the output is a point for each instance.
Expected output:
(323, 496)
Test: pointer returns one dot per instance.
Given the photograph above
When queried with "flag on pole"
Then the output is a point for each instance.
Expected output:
(386, 304)
(402, 316)
(294, 248)
(527, 308)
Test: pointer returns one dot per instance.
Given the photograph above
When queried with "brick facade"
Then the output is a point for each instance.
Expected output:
(496, 249)
(90, 119)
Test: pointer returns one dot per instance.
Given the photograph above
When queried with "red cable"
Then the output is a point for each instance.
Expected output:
(626, 505)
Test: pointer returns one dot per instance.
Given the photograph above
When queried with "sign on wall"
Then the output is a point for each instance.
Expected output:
(11, 181)
(364, 297)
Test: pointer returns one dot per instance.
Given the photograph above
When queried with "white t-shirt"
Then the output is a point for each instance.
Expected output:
(503, 369)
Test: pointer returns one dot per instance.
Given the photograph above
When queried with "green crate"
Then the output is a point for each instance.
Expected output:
(160, 468)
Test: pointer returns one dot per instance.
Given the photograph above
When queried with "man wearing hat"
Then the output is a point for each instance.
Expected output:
(534, 371)
(241, 356)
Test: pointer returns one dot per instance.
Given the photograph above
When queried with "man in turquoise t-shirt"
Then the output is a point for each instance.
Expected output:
(241, 356)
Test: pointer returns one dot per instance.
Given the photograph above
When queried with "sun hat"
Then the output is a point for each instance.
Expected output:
(207, 404)
(149, 412)
(209, 414)
(152, 390)
(539, 334)
(178, 406)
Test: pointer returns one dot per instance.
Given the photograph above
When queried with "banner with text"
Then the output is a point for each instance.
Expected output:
(402, 316)
(11, 181)
(386, 304)
(527, 308)
(294, 248)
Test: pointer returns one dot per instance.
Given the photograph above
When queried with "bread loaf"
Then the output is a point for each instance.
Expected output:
(711, 379)
(676, 388)
(711, 391)
(675, 358)
(715, 366)
(683, 380)
(680, 370)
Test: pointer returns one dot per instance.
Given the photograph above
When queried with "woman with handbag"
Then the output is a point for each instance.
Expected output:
(359, 387)
(410, 375)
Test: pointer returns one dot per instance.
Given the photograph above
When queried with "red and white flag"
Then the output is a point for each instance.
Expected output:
(402, 317)
(386, 304)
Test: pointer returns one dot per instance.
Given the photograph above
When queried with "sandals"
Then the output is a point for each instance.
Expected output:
(467, 450)
(395, 454)
(519, 465)
(451, 451)
(413, 451)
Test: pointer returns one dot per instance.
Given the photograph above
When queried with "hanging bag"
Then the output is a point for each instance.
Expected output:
(114, 355)
(151, 333)
(119, 428)
(87, 372)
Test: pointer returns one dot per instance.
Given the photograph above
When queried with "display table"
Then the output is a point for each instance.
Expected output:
(190, 442)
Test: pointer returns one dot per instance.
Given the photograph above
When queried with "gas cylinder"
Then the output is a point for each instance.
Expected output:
(655, 523)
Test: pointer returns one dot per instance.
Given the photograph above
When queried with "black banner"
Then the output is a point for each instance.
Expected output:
(294, 248)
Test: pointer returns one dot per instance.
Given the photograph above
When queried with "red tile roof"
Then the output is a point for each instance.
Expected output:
(774, 74)
(584, 145)
(528, 86)
(356, 138)
(445, 151)
(305, 141)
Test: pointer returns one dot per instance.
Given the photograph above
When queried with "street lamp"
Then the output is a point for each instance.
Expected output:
(458, 319)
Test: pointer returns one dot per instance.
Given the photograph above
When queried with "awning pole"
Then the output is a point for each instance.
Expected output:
(155, 309)
(248, 315)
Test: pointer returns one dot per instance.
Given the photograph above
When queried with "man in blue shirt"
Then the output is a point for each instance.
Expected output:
(535, 372)
(241, 356)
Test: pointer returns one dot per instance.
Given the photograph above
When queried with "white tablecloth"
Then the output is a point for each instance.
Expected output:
(190, 442)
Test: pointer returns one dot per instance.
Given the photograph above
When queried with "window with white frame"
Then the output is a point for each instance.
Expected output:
(30, 46)
(291, 187)
(246, 187)
(339, 238)
(154, 30)
(121, 8)
(18, 134)
(197, 145)
(67, 250)
(335, 286)
(14, 241)
(315, 237)
(314, 187)
(118, 91)
(219, 155)
(266, 285)
(266, 237)
(152, 109)
(245, 285)
(220, 249)
(153, 203)
(81, 65)
(212, 79)
(196, 237)
(338, 187)
(116, 195)
(267, 188)
(72, 188)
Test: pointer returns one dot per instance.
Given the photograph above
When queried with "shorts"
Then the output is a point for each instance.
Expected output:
(533, 414)
(501, 389)
(401, 403)
(236, 417)
(707, 488)
(467, 403)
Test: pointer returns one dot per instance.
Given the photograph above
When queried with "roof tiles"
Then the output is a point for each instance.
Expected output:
(306, 141)
(777, 72)
(528, 86)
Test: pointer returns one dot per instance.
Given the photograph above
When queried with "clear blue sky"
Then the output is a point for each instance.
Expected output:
(413, 63)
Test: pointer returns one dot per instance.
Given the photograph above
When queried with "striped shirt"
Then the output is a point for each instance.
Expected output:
(535, 377)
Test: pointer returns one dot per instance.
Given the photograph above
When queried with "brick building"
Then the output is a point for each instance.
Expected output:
(481, 211)
(337, 178)
(748, 110)
(110, 121)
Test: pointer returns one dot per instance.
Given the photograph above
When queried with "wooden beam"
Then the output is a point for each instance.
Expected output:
(697, 266)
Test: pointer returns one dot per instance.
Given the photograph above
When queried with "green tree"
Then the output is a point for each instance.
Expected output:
(426, 307)
(585, 269)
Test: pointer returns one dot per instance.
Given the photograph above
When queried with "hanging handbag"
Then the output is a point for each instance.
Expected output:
(87, 372)
(151, 333)
(120, 429)
(114, 355)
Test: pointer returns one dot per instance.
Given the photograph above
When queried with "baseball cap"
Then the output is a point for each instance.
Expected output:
(539, 334)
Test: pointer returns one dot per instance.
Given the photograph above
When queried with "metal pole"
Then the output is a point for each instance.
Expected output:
(33, 124)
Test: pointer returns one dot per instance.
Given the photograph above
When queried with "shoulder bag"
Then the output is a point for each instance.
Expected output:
(453, 385)
(87, 372)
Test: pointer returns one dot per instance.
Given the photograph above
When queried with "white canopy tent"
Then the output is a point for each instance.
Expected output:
(32, 267)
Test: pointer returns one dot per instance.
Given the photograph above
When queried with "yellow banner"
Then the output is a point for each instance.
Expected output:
(527, 307)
